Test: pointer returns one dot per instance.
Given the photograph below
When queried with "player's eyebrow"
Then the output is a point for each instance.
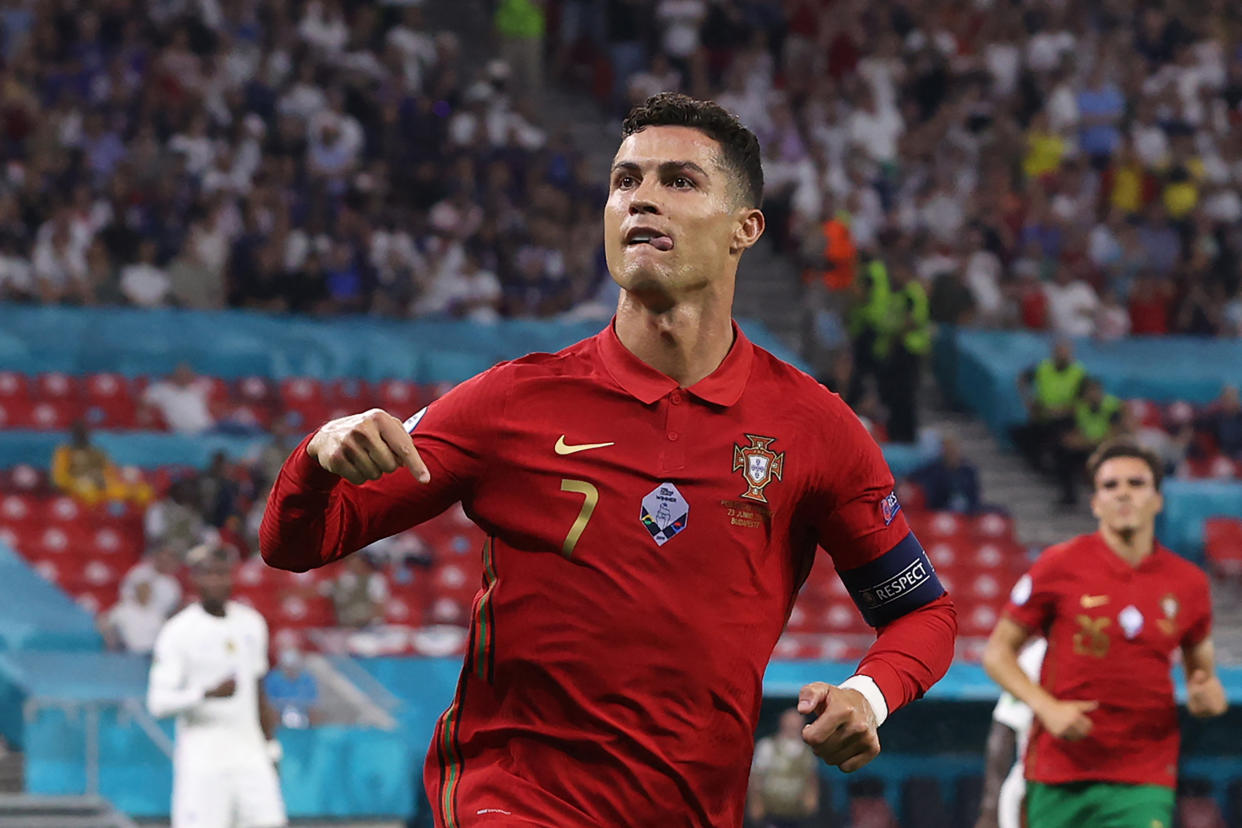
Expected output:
(664, 167)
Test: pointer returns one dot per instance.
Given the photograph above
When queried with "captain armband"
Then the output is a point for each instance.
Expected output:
(899, 581)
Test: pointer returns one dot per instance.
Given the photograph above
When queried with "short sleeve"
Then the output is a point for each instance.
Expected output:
(1200, 626)
(1033, 599)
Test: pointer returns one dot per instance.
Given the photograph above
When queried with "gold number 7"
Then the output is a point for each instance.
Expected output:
(591, 497)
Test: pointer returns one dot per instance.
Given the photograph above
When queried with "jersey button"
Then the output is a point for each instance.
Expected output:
(675, 399)
(673, 435)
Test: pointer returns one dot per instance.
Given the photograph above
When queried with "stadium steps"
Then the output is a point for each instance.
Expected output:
(28, 811)
(1004, 479)
(12, 770)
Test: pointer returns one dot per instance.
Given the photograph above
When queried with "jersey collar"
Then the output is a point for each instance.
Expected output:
(722, 387)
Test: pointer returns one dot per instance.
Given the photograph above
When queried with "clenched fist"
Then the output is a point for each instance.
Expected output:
(844, 731)
(366, 446)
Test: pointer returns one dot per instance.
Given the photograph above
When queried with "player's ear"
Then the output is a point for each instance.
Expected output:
(747, 230)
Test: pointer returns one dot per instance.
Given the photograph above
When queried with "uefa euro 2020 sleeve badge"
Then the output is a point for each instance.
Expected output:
(759, 465)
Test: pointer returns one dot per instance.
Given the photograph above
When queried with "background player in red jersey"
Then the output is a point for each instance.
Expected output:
(1114, 605)
(653, 498)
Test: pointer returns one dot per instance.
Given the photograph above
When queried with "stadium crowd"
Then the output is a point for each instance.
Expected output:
(1039, 164)
(295, 157)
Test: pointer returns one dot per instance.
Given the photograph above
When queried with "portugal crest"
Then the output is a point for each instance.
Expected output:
(759, 465)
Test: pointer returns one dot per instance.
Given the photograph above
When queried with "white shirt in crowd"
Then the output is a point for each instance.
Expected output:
(195, 652)
(184, 407)
(145, 285)
(165, 589)
(1018, 717)
(1071, 308)
(136, 625)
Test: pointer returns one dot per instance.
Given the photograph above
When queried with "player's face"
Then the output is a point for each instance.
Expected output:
(214, 581)
(1125, 497)
(672, 224)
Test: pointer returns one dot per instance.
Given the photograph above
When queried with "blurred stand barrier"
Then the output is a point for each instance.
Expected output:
(233, 344)
(978, 370)
(84, 729)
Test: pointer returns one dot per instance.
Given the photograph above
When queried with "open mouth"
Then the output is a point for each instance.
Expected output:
(647, 235)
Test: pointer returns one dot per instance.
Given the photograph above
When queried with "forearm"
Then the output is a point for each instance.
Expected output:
(173, 701)
(1001, 664)
(912, 653)
(302, 523)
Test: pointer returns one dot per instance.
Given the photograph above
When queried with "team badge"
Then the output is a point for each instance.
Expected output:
(1131, 621)
(759, 465)
(664, 513)
(1170, 607)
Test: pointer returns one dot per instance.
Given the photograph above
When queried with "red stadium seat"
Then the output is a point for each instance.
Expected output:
(254, 389)
(992, 525)
(64, 509)
(350, 395)
(57, 415)
(16, 413)
(295, 390)
(24, 478)
(19, 509)
(977, 619)
(843, 617)
(1222, 540)
(56, 386)
(1199, 812)
(871, 812)
(95, 599)
(400, 398)
(13, 386)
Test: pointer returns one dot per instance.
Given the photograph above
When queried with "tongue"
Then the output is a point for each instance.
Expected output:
(661, 243)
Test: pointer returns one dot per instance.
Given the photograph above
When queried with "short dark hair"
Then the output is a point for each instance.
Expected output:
(1125, 447)
(739, 146)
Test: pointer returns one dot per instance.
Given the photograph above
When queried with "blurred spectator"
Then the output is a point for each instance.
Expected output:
(902, 345)
(1050, 390)
(134, 622)
(176, 519)
(1223, 421)
(359, 593)
(158, 570)
(144, 283)
(1072, 304)
(1097, 417)
(784, 780)
(292, 690)
(1170, 447)
(950, 482)
(84, 471)
(180, 401)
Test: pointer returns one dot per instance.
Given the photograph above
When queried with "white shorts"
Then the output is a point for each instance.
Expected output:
(239, 797)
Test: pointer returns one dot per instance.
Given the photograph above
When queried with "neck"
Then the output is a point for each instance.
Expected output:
(1131, 545)
(213, 608)
(684, 341)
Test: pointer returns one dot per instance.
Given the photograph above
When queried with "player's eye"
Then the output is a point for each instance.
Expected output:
(624, 181)
(1137, 482)
(682, 183)
(1109, 484)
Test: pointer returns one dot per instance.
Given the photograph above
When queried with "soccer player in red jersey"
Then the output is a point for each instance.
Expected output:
(1114, 606)
(653, 497)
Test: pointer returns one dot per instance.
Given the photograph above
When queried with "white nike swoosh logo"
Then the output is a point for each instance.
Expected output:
(564, 448)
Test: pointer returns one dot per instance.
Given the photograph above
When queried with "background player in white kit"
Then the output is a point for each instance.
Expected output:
(208, 667)
(1004, 785)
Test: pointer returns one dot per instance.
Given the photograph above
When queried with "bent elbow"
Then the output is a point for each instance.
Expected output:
(281, 557)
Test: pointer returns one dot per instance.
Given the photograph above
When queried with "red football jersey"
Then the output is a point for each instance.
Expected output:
(1112, 630)
(645, 545)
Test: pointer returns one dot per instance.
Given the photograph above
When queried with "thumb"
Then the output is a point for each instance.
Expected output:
(1087, 706)
(811, 696)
